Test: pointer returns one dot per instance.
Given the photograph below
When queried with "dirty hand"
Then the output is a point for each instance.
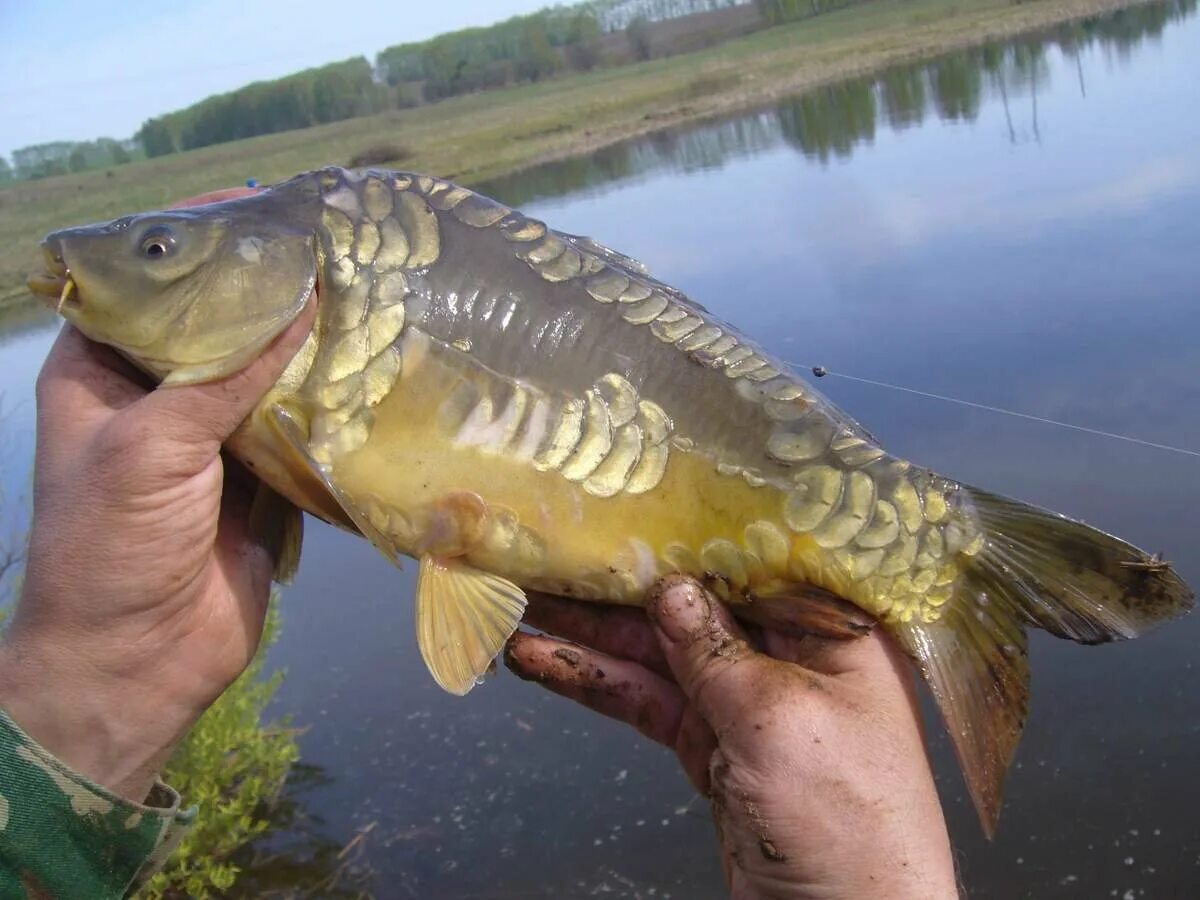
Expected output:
(144, 592)
(811, 756)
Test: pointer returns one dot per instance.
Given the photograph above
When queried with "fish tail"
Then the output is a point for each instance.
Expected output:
(1034, 568)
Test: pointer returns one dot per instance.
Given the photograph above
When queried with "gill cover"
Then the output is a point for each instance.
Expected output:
(193, 294)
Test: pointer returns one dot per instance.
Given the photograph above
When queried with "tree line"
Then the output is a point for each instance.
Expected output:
(615, 15)
(61, 157)
(328, 93)
(574, 38)
(777, 12)
(520, 49)
(523, 48)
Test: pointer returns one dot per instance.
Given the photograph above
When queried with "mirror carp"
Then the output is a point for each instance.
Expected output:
(524, 409)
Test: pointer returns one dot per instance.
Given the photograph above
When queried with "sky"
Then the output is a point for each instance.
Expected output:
(81, 69)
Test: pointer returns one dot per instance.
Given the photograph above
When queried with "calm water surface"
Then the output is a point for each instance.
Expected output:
(1016, 226)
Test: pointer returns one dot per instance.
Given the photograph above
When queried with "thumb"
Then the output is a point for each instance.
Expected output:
(708, 653)
(208, 413)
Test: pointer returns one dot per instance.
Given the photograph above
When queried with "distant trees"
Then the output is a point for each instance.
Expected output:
(6, 172)
(615, 15)
(779, 11)
(638, 32)
(583, 42)
(522, 48)
(536, 58)
(42, 160)
(61, 157)
(156, 137)
(314, 96)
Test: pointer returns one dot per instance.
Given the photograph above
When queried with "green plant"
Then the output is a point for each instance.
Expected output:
(233, 766)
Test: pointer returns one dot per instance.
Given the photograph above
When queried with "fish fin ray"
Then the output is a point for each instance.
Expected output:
(1034, 568)
(277, 525)
(290, 431)
(1070, 579)
(464, 616)
(978, 672)
(803, 609)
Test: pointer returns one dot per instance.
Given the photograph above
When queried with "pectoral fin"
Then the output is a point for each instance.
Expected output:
(290, 432)
(278, 526)
(464, 616)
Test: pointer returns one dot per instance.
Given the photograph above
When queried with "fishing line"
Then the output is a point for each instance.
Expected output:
(821, 372)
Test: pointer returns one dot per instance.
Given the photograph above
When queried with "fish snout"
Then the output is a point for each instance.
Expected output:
(52, 255)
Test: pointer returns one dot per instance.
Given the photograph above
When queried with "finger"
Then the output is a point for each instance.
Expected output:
(206, 414)
(81, 378)
(617, 631)
(695, 745)
(616, 688)
(829, 656)
(708, 654)
(214, 197)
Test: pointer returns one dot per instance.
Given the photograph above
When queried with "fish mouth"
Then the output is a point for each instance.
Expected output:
(54, 286)
(56, 291)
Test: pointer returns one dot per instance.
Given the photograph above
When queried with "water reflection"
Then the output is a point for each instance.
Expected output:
(18, 319)
(828, 123)
(295, 857)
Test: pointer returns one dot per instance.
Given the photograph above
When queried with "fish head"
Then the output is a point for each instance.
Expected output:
(189, 295)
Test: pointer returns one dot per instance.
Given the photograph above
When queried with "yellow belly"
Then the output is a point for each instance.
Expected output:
(545, 532)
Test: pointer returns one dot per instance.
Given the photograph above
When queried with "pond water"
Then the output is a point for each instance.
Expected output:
(1015, 226)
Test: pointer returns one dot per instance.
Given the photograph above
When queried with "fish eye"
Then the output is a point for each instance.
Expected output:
(157, 242)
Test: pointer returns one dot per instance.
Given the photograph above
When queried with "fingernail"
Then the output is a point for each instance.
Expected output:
(680, 609)
(514, 663)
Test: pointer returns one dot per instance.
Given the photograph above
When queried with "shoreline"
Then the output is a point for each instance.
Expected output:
(482, 136)
(800, 81)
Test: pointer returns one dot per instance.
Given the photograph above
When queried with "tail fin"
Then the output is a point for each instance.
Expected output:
(1036, 568)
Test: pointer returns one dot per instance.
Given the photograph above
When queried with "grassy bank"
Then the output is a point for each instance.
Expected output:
(483, 135)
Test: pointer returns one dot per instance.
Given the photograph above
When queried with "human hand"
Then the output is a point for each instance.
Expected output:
(144, 593)
(810, 753)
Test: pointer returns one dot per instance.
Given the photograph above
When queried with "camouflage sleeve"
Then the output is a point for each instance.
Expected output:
(62, 836)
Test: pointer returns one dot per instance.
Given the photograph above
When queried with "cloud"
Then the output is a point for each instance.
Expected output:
(906, 219)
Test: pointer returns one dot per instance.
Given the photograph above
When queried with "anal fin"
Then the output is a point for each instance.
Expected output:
(803, 609)
(278, 526)
(977, 668)
(464, 616)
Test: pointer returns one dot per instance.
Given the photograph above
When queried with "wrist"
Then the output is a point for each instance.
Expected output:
(108, 729)
(834, 834)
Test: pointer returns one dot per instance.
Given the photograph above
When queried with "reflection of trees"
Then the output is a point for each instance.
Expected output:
(554, 179)
(688, 149)
(902, 93)
(831, 120)
(992, 59)
(958, 86)
(1126, 28)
